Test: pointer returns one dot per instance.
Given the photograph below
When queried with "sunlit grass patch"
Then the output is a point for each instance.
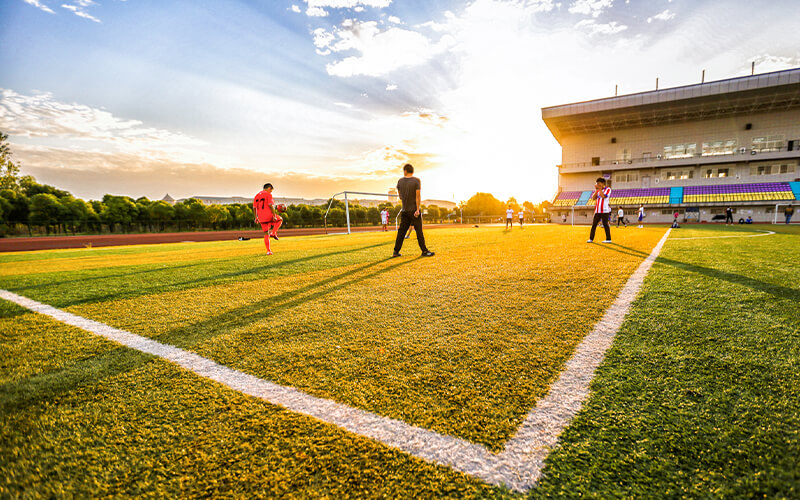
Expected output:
(144, 427)
(464, 343)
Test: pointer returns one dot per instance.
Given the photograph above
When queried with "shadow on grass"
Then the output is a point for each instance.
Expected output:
(242, 316)
(778, 291)
(207, 280)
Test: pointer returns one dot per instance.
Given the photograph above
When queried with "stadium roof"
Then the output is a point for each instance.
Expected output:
(778, 91)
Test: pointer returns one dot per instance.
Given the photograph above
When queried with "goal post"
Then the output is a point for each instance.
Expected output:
(350, 195)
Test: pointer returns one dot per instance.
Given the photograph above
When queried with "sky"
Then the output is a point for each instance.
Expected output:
(215, 98)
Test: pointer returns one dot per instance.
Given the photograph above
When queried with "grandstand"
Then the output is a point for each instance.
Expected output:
(694, 149)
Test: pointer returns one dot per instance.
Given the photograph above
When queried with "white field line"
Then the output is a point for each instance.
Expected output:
(518, 467)
(766, 233)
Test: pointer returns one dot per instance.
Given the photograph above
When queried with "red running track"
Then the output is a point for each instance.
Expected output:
(107, 240)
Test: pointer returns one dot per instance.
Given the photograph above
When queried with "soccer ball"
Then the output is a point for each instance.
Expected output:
(280, 207)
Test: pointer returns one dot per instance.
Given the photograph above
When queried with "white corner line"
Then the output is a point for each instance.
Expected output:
(517, 467)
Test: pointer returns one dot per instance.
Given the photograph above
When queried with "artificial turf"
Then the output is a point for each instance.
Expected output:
(463, 344)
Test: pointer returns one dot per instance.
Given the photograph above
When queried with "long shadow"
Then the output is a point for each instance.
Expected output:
(191, 334)
(34, 390)
(778, 291)
(208, 279)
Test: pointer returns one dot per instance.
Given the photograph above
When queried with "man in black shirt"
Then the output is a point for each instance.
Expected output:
(409, 190)
(728, 216)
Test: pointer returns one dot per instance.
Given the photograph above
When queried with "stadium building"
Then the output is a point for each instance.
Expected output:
(693, 150)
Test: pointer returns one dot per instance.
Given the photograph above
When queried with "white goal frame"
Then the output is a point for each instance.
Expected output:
(775, 218)
(347, 206)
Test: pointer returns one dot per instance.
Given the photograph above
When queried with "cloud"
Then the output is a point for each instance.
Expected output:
(394, 19)
(39, 5)
(296, 9)
(391, 87)
(766, 63)
(78, 9)
(590, 7)
(316, 12)
(348, 4)
(343, 105)
(381, 52)
(595, 28)
(663, 16)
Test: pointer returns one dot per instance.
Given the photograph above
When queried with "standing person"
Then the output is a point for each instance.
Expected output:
(409, 188)
(509, 217)
(521, 217)
(621, 217)
(728, 215)
(641, 215)
(675, 219)
(563, 217)
(788, 212)
(266, 215)
(602, 209)
(385, 219)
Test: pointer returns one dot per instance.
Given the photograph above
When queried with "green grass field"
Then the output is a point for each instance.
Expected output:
(699, 396)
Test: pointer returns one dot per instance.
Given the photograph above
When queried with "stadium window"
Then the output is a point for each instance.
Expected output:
(724, 147)
(680, 150)
(708, 174)
(595, 161)
(767, 143)
(787, 169)
(686, 174)
(723, 172)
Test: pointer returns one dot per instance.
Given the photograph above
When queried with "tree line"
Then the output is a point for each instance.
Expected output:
(28, 207)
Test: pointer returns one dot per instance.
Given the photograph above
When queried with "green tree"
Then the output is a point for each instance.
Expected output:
(45, 210)
(161, 213)
(484, 204)
(433, 213)
(217, 215)
(9, 172)
(528, 206)
(119, 210)
(191, 212)
(336, 217)
(77, 213)
(19, 206)
(373, 215)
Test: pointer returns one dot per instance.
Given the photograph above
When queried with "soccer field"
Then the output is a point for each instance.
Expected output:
(698, 396)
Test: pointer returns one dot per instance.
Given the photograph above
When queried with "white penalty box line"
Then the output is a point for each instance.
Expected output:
(517, 467)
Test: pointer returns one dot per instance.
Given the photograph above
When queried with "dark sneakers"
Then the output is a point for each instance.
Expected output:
(395, 254)
(274, 236)
(428, 253)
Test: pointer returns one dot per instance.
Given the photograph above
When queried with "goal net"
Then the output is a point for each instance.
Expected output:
(353, 209)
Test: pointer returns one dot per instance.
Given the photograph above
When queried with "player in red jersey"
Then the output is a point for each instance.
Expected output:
(266, 215)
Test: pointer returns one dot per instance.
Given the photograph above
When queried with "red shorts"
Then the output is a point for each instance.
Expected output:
(266, 226)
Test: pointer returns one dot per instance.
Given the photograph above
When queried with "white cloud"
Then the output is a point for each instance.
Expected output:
(590, 7)
(766, 63)
(296, 9)
(394, 19)
(78, 9)
(348, 4)
(663, 16)
(343, 105)
(316, 12)
(595, 28)
(359, 9)
(380, 51)
(39, 5)
(391, 87)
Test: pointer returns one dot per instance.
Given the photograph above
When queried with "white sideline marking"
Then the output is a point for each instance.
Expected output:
(767, 233)
(518, 466)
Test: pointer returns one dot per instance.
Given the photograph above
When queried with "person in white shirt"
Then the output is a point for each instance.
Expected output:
(602, 209)
(509, 217)
(621, 217)
(521, 217)
(641, 215)
(385, 219)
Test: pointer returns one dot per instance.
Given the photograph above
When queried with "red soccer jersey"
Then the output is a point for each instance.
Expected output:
(261, 204)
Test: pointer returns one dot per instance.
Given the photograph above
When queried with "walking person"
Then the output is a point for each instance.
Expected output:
(788, 212)
(266, 215)
(621, 217)
(509, 217)
(521, 217)
(385, 219)
(409, 188)
(641, 215)
(728, 216)
(602, 209)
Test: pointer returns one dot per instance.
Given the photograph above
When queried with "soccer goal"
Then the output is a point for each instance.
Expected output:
(358, 200)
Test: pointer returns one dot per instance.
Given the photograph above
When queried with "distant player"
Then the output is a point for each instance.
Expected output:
(621, 217)
(521, 216)
(385, 219)
(641, 215)
(728, 216)
(602, 209)
(509, 217)
(266, 215)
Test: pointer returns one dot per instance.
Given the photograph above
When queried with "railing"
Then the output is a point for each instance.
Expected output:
(661, 158)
